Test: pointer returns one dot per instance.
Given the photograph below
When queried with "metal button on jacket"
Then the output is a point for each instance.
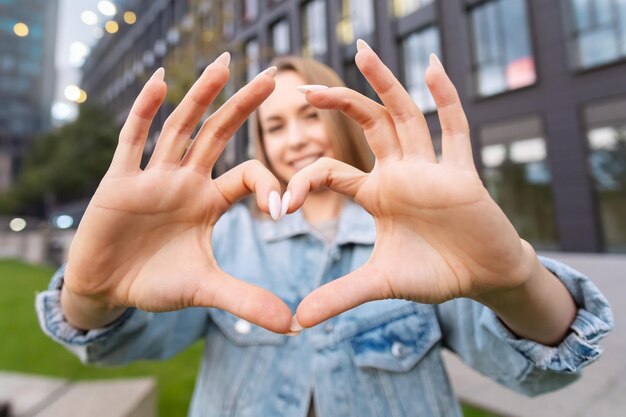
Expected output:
(242, 326)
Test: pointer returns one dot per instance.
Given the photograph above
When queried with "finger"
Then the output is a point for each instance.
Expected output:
(247, 178)
(325, 172)
(409, 121)
(180, 125)
(374, 118)
(251, 303)
(222, 125)
(127, 157)
(352, 290)
(455, 133)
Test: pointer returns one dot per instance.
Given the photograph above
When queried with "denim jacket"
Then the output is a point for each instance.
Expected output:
(380, 359)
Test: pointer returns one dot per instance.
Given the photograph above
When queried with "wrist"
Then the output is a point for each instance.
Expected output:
(86, 313)
(522, 280)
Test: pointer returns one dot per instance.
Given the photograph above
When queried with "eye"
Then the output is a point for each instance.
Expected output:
(274, 128)
(311, 115)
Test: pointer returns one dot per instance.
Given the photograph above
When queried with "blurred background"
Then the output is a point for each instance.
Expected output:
(543, 83)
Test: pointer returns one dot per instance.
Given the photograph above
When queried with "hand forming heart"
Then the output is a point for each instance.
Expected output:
(439, 234)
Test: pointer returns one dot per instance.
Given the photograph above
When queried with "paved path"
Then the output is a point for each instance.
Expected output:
(602, 390)
(36, 396)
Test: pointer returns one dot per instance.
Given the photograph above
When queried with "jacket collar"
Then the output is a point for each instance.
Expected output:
(355, 226)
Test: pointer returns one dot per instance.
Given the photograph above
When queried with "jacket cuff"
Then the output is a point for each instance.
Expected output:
(53, 323)
(580, 347)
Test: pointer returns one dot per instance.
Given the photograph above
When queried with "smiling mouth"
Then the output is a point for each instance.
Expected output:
(298, 164)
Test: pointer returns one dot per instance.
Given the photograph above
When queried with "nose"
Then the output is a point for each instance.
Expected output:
(296, 135)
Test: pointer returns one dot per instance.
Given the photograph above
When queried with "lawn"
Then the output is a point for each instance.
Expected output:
(25, 348)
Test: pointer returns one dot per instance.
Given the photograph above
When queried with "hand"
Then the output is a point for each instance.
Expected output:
(145, 239)
(439, 234)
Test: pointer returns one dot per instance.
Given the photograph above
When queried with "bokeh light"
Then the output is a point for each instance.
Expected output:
(17, 224)
(130, 17)
(111, 26)
(89, 18)
(107, 8)
(72, 93)
(21, 29)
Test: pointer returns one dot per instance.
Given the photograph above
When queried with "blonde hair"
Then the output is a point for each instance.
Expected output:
(346, 135)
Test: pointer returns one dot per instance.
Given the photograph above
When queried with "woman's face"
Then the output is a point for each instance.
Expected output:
(293, 133)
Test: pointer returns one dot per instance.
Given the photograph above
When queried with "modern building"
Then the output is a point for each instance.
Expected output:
(27, 77)
(543, 83)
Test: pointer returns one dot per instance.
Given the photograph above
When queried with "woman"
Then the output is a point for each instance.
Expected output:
(422, 237)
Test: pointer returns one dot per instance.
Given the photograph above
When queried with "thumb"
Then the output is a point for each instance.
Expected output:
(358, 287)
(249, 302)
(325, 172)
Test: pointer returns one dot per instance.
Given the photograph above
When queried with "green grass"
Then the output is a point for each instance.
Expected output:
(24, 348)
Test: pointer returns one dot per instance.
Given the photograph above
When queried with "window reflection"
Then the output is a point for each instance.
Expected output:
(502, 55)
(518, 177)
(406, 7)
(598, 31)
(606, 136)
(357, 20)
(280, 37)
(250, 10)
(416, 50)
(253, 56)
(314, 30)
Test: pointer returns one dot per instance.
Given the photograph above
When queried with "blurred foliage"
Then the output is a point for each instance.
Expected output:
(65, 164)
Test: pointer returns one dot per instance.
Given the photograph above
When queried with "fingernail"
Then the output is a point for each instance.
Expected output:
(311, 87)
(274, 202)
(293, 334)
(284, 203)
(434, 60)
(295, 326)
(159, 74)
(271, 71)
(361, 44)
(223, 59)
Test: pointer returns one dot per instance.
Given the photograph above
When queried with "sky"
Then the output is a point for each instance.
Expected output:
(70, 30)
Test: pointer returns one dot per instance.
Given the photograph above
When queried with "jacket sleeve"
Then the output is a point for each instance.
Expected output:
(135, 335)
(475, 333)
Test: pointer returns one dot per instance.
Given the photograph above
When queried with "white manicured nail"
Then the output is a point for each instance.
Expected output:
(360, 44)
(284, 204)
(274, 202)
(271, 71)
(293, 334)
(159, 74)
(295, 326)
(311, 87)
(434, 61)
(223, 59)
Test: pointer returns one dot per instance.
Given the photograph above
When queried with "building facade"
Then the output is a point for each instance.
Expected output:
(543, 83)
(27, 46)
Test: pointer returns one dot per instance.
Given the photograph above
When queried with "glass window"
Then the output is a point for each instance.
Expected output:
(598, 31)
(406, 7)
(517, 175)
(502, 58)
(416, 50)
(253, 59)
(314, 40)
(250, 10)
(357, 20)
(280, 37)
(606, 135)
(228, 18)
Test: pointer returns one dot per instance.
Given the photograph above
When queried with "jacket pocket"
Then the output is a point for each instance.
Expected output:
(242, 332)
(399, 343)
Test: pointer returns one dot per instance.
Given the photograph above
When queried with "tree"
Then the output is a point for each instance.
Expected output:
(64, 165)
